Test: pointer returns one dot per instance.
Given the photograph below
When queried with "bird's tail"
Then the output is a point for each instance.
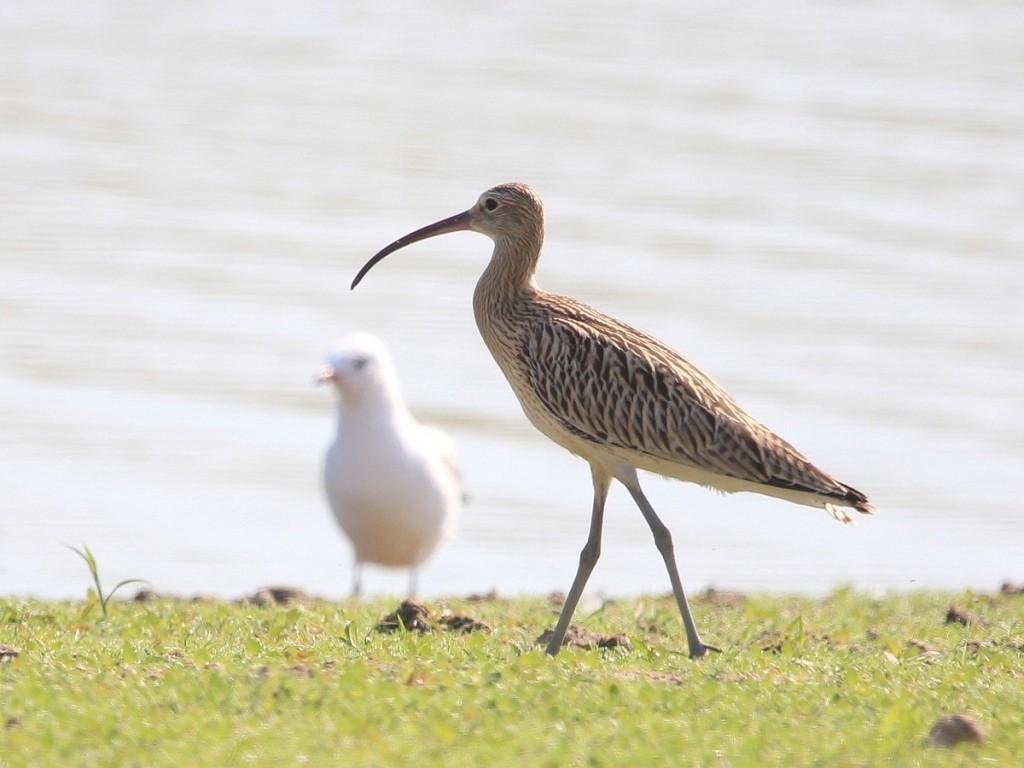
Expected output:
(851, 499)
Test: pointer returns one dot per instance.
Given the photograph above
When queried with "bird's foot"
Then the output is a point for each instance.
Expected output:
(701, 650)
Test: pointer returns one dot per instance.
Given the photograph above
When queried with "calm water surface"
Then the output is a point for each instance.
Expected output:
(821, 204)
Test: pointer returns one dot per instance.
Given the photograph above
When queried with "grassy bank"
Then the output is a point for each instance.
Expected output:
(849, 680)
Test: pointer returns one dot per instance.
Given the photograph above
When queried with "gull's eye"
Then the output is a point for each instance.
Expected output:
(491, 204)
(360, 363)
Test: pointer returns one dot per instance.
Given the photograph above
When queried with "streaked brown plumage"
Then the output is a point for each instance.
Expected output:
(615, 396)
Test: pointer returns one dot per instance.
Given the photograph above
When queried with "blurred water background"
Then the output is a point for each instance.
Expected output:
(819, 203)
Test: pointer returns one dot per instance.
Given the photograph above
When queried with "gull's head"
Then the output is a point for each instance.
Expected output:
(359, 366)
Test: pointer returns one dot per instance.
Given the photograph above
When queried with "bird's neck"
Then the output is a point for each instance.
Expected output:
(504, 294)
(371, 410)
(508, 276)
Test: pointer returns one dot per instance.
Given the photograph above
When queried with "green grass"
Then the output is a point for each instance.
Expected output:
(829, 682)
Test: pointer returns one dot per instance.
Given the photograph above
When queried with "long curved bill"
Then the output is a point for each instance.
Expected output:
(456, 223)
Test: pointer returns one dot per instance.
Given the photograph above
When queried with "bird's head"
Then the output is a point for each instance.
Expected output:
(359, 366)
(512, 214)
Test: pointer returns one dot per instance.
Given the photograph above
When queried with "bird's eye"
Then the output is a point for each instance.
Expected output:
(490, 204)
(360, 363)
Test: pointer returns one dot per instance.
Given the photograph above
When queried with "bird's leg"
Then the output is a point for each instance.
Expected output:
(413, 581)
(588, 559)
(357, 579)
(663, 540)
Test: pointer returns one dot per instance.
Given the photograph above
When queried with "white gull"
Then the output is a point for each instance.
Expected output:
(392, 482)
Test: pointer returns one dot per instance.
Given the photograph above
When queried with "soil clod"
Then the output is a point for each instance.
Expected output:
(950, 730)
(923, 646)
(412, 614)
(724, 597)
(462, 623)
(416, 617)
(484, 597)
(581, 638)
(278, 596)
(958, 615)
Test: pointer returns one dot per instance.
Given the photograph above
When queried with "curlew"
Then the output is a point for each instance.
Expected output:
(392, 483)
(615, 396)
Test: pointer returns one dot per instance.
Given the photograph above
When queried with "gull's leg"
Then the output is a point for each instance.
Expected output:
(663, 540)
(413, 581)
(588, 559)
(357, 579)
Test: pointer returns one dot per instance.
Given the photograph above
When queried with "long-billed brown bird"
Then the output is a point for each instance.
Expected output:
(616, 396)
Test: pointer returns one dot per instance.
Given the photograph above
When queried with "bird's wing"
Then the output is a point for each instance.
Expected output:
(613, 384)
(446, 451)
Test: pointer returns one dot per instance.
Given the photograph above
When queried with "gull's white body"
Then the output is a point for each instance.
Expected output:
(392, 483)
